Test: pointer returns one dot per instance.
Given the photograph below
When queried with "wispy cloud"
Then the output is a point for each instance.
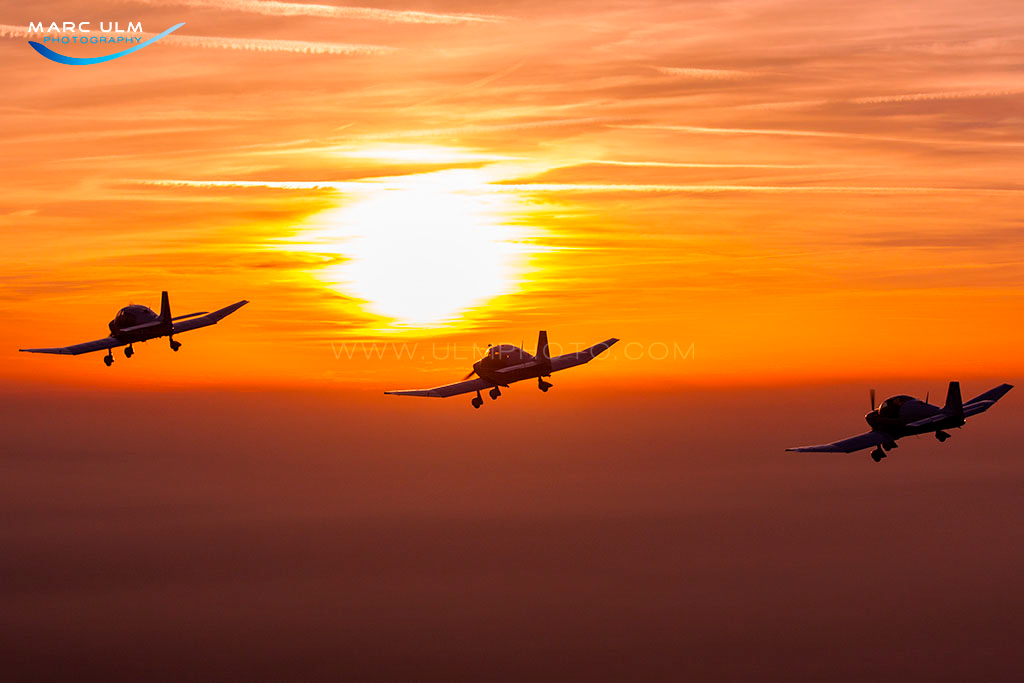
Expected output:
(696, 164)
(389, 183)
(274, 8)
(486, 128)
(769, 189)
(252, 44)
(930, 96)
(702, 74)
(269, 45)
(788, 132)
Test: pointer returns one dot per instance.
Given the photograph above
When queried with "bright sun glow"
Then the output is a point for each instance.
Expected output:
(424, 249)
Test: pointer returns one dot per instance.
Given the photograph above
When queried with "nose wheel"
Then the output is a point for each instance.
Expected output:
(128, 351)
(544, 386)
(494, 393)
(478, 400)
(877, 455)
(175, 345)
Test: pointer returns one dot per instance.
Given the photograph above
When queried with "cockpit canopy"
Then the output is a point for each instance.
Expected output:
(507, 352)
(134, 314)
(890, 407)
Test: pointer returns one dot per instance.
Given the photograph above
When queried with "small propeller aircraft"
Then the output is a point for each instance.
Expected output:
(901, 416)
(505, 364)
(135, 323)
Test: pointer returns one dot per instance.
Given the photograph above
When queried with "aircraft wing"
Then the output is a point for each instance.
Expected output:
(85, 347)
(464, 387)
(983, 402)
(570, 360)
(854, 443)
(196, 322)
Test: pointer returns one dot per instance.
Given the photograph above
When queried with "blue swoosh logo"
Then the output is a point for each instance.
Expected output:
(63, 59)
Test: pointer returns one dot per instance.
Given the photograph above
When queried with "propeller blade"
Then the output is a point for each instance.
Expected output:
(471, 373)
(872, 399)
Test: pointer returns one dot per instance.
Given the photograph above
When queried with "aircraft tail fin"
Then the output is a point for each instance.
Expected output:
(954, 403)
(165, 308)
(542, 346)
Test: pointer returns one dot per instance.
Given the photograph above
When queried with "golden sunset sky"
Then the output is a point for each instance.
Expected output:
(800, 190)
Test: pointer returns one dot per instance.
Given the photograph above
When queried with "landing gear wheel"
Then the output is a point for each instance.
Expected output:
(495, 393)
(175, 345)
(477, 401)
(941, 436)
(544, 386)
(128, 351)
(108, 359)
(877, 455)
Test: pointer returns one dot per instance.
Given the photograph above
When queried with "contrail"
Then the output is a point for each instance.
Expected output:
(274, 8)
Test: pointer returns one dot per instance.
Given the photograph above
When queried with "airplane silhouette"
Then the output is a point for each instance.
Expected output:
(505, 364)
(135, 323)
(900, 416)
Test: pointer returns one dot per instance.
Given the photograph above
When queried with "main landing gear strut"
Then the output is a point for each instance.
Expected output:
(542, 385)
(478, 401)
(128, 351)
(174, 345)
(942, 436)
(109, 358)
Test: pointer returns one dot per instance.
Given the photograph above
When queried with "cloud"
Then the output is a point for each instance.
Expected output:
(387, 183)
(770, 189)
(930, 96)
(266, 45)
(702, 74)
(252, 44)
(789, 132)
(274, 8)
(692, 164)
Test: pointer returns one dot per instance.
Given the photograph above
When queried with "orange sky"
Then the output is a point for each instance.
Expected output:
(800, 190)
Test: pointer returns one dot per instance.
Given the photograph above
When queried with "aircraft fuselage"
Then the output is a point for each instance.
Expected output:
(126, 324)
(895, 414)
(515, 364)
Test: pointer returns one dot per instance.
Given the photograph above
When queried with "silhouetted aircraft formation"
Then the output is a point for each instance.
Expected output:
(902, 415)
(135, 323)
(505, 364)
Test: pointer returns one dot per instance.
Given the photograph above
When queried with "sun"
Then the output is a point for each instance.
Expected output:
(427, 249)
